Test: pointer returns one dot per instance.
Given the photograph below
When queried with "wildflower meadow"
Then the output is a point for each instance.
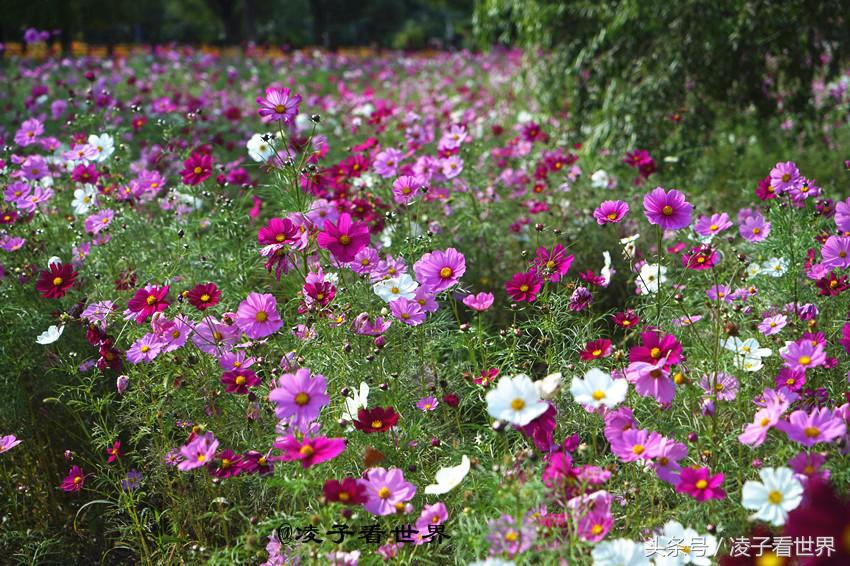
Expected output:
(316, 307)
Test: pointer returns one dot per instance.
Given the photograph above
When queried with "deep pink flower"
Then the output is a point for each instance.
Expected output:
(669, 210)
(345, 238)
(610, 212)
(278, 104)
(309, 451)
(700, 257)
(75, 480)
(700, 484)
(197, 168)
(479, 302)
(524, 286)
(553, 265)
(147, 301)
(239, 380)
(199, 452)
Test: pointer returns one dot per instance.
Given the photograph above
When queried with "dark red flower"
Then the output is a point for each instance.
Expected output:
(55, 281)
(822, 514)
(596, 349)
(348, 491)
(204, 296)
(379, 419)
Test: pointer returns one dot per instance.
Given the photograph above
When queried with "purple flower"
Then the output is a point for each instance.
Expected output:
(669, 210)
(809, 465)
(821, 425)
(479, 302)
(299, 397)
(257, 316)
(427, 403)
(386, 162)
(711, 225)
(8, 442)
(610, 212)
(506, 537)
(199, 452)
(802, 355)
(724, 385)
(580, 299)
(99, 221)
(386, 490)
(836, 252)
(754, 228)
(278, 104)
(29, 132)
(439, 270)
(842, 215)
(408, 311)
(145, 349)
(772, 324)
(783, 176)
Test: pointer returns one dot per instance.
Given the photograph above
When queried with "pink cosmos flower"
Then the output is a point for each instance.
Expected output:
(387, 161)
(700, 484)
(772, 324)
(345, 238)
(257, 316)
(147, 301)
(451, 167)
(821, 425)
(197, 168)
(439, 270)
(652, 380)
(75, 480)
(842, 215)
(711, 225)
(836, 252)
(636, 444)
(783, 176)
(309, 451)
(145, 349)
(199, 452)
(406, 187)
(408, 311)
(435, 514)
(278, 104)
(610, 212)
(553, 265)
(700, 257)
(793, 380)
(239, 380)
(99, 221)
(669, 210)
(8, 442)
(29, 132)
(386, 490)
(756, 433)
(754, 228)
(479, 302)
(666, 461)
(427, 404)
(802, 355)
(299, 397)
(524, 286)
(809, 465)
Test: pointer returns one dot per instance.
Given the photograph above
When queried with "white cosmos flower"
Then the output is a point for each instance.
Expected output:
(651, 277)
(629, 247)
(748, 353)
(449, 478)
(778, 493)
(515, 400)
(50, 335)
(55, 260)
(775, 267)
(599, 179)
(619, 552)
(598, 389)
(549, 386)
(606, 272)
(753, 270)
(359, 400)
(677, 546)
(260, 149)
(103, 144)
(402, 286)
(84, 199)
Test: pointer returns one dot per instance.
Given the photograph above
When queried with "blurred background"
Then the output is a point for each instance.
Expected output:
(411, 24)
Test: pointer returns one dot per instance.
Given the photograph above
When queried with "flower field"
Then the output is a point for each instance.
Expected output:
(348, 308)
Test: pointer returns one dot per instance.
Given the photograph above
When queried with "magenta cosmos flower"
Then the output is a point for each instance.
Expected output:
(700, 484)
(299, 397)
(75, 479)
(479, 302)
(199, 452)
(754, 228)
(610, 212)
(147, 301)
(197, 168)
(345, 238)
(821, 425)
(524, 286)
(836, 252)
(386, 490)
(554, 264)
(408, 311)
(257, 316)
(239, 380)
(669, 210)
(711, 225)
(803, 354)
(784, 176)
(755, 433)
(279, 104)
(439, 270)
(309, 451)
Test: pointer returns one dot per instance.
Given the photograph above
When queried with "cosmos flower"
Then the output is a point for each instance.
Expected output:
(197, 168)
(401, 287)
(377, 419)
(778, 493)
(257, 316)
(278, 104)
(754, 228)
(820, 425)
(204, 296)
(783, 176)
(619, 552)
(836, 252)
(479, 302)
(8, 442)
(700, 484)
(598, 389)
(199, 452)
(386, 490)
(440, 269)
(239, 380)
(349, 491)
(524, 286)
(803, 355)
(309, 451)
(669, 210)
(74, 481)
(610, 212)
(677, 545)
(515, 400)
(449, 478)
(147, 301)
(55, 281)
(344, 238)
(300, 396)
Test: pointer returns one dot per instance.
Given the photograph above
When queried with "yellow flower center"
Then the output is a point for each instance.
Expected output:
(384, 492)
(655, 353)
(775, 497)
(701, 484)
(511, 536)
(145, 349)
(302, 399)
(279, 108)
(713, 227)
(306, 450)
(805, 360)
(343, 496)
(197, 170)
(596, 353)
(523, 287)
(612, 216)
(205, 298)
(638, 449)
(667, 210)
(446, 272)
(240, 380)
(345, 239)
(261, 316)
(151, 299)
(596, 529)
(57, 281)
(598, 395)
(517, 404)
(377, 424)
(811, 431)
